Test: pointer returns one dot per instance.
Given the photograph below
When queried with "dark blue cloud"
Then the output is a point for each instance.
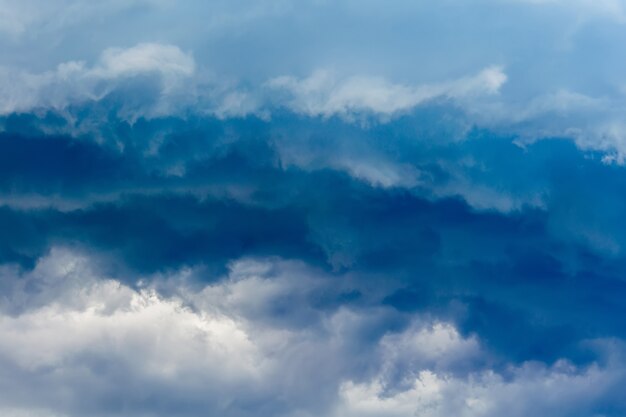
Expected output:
(234, 197)
(314, 208)
(535, 280)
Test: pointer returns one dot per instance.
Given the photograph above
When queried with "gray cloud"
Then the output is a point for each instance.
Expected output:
(102, 348)
(322, 208)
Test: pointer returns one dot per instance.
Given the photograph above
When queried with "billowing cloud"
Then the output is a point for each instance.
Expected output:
(315, 208)
(530, 390)
(102, 347)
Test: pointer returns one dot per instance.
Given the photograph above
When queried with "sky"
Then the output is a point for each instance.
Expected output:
(318, 208)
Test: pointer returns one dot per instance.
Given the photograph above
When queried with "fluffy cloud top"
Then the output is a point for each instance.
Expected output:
(103, 348)
(322, 95)
(74, 82)
(373, 59)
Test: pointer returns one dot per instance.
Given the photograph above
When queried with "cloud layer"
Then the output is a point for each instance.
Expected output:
(306, 266)
(335, 209)
(103, 348)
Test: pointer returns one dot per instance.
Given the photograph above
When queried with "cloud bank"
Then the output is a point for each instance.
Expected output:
(335, 209)
(105, 348)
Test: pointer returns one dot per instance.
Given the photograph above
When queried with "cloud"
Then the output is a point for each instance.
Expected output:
(322, 94)
(74, 82)
(164, 80)
(419, 375)
(143, 58)
(404, 66)
(197, 221)
(569, 393)
(267, 240)
(401, 247)
(108, 343)
(100, 347)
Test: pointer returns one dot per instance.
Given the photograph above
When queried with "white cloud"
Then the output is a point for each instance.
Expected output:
(429, 389)
(74, 82)
(324, 94)
(532, 391)
(73, 311)
(558, 62)
(376, 170)
(73, 343)
(437, 347)
(168, 60)
(75, 321)
(594, 123)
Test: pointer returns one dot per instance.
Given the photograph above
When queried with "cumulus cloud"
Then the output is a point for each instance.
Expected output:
(421, 384)
(386, 289)
(110, 347)
(76, 343)
(106, 316)
(531, 389)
